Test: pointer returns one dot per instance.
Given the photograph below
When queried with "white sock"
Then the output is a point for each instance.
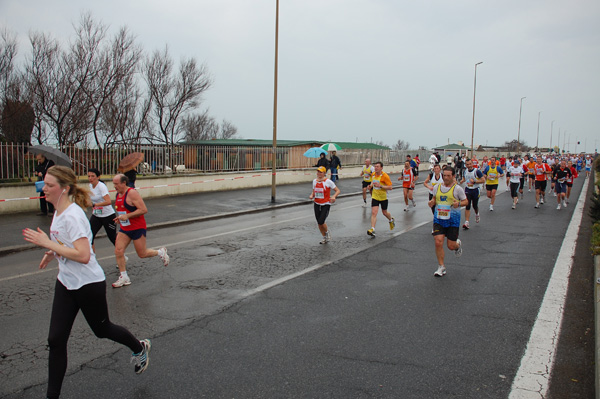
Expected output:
(124, 274)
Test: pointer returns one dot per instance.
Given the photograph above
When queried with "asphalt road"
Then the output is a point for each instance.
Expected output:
(253, 307)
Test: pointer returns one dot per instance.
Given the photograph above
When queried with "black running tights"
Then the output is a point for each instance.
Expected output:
(91, 299)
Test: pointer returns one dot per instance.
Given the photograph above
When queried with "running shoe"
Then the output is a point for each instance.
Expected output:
(514, 206)
(328, 236)
(554, 194)
(542, 200)
(371, 232)
(324, 240)
(142, 359)
(529, 190)
(558, 207)
(491, 207)
(392, 224)
(564, 204)
(507, 189)
(414, 203)
(458, 251)
(441, 270)
(162, 254)
(477, 218)
(365, 204)
(466, 225)
(406, 209)
(537, 205)
(121, 281)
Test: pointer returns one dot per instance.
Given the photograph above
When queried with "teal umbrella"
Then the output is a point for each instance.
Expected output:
(331, 147)
(315, 152)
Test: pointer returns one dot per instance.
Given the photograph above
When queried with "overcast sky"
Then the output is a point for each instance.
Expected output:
(371, 70)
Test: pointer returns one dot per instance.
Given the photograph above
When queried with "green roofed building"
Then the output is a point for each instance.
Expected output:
(254, 154)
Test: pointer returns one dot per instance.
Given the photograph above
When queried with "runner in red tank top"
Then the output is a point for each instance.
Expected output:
(130, 209)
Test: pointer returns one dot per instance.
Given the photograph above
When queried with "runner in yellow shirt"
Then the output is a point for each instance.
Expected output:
(380, 185)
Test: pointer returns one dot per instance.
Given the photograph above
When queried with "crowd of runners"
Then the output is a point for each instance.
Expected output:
(458, 183)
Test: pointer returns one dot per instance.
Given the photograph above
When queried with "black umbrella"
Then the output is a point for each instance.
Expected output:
(59, 158)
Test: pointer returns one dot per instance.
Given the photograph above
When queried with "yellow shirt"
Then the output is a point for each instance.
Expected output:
(368, 172)
(379, 193)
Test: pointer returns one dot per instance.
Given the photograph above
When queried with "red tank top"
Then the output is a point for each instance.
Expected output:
(122, 207)
(322, 193)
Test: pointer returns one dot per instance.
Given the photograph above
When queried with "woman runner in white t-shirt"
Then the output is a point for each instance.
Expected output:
(81, 283)
(102, 210)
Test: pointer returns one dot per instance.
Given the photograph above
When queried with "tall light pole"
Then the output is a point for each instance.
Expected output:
(519, 132)
(537, 141)
(558, 141)
(551, 126)
(473, 122)
(274, 158)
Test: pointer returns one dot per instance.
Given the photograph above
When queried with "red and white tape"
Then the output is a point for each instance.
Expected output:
(187, 183)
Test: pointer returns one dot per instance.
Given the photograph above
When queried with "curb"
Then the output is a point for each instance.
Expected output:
(597, 320)
(26, 247)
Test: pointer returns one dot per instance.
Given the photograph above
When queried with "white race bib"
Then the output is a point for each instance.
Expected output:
(443, 211)
(124, 222)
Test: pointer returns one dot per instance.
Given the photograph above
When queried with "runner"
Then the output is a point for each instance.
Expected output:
(366, 173)
(80, 283)
(321, 194)
(588, 166)
(492, 172)
(516, 176)
(509, 163)
(130, 210)
(474, 178)
(542, 170)
(574, 175)
(102, 210)
(531, 174)
(522, 178)
(408, 184)
(448, 198)
(380, 185)
(434, 178)
(561, 174)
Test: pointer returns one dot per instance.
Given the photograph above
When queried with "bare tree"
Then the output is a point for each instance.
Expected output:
(173, 94)
(228, 130)
(401, 145)
(125, 115)
(116, 64)
(8, 52)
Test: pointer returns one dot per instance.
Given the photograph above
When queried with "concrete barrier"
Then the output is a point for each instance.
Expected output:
(16, 197)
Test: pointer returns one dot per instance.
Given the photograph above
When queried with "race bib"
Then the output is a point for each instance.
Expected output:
(124, 222)
(97, 210)
(492, 176)
(319, 193)
(562, 180)
(443, 211)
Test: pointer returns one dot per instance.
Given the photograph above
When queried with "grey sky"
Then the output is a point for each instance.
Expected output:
(372, 69)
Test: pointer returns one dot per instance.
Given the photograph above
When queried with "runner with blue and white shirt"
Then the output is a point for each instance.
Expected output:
(473, 178)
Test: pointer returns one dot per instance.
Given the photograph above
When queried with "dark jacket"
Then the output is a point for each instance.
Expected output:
(335, 162)
(43, 168)
(323, 162)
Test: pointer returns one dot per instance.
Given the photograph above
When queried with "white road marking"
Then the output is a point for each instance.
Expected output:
(533, 376)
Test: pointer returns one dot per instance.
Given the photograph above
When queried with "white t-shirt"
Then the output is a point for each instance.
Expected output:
(67, 228)
(320, 194)
(97, 195)
(516, 172)
(435, 181)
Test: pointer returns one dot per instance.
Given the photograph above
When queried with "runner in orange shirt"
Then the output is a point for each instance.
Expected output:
(408, 179)
(380, 185)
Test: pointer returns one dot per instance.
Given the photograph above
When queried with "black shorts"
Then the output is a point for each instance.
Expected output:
(450, 232)
(491, 187)
(561, 187)
(134, 234)
(383, 204)
(521, 183)
(514, 189)
(531, 177)
(365, 184)
(321, 212)
(569, 184)
(540, 185)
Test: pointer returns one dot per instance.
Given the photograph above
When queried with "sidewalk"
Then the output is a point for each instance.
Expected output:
(170, 211)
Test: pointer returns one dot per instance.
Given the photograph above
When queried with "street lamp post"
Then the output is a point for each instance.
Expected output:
(551, 126)
(473, 122)
(274, 158)
(519, 132)
(537, 141)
